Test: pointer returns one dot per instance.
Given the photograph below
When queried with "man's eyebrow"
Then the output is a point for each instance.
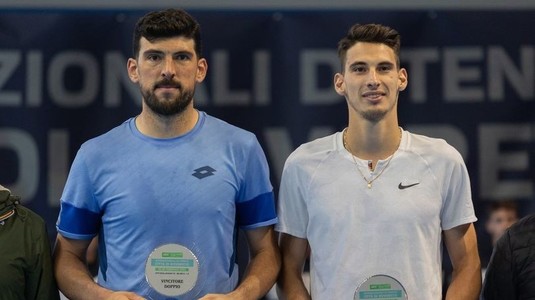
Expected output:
(357, 63)
(188, 52)
(387, 63)
(152, 51)
(178, 52)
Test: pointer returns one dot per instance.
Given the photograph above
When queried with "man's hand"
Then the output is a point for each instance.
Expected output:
(124, 296)
(217, 297)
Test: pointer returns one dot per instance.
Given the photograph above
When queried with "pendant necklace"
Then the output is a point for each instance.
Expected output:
(372, 179)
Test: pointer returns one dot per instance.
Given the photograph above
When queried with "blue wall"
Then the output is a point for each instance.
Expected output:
(471, 81)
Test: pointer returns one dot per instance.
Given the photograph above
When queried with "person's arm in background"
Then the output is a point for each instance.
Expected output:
(461, 243)
(294, 252)
(73, 277)
(40, 281)
(499, 276)
(262, 269)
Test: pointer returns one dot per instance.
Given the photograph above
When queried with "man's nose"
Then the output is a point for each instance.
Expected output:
(168, 70)
(373, 80)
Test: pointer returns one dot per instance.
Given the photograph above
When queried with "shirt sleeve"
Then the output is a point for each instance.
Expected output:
(79, 216)
(457, 207)
(256, 204)
(292, 210)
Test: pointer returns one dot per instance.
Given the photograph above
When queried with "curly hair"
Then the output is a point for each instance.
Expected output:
(165, 24)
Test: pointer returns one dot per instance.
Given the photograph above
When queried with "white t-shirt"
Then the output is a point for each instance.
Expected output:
(393, 228)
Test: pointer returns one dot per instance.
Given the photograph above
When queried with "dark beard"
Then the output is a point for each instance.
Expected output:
(168, 107)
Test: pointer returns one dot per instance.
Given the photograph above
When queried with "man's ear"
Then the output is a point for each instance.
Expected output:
(202, 69)
(339, 84)
(403, 79)
(131, 67)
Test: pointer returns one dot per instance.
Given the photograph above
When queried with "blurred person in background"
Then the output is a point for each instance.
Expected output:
(511, 271)
(500, 216)
(25, 259)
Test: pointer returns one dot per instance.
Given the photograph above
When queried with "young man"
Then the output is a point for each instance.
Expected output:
(167, 190)
(373, 201)
(501, 215)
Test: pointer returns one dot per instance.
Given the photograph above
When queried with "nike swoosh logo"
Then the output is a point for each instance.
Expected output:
(402, 187)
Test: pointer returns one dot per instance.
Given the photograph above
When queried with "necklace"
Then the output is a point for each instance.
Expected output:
(372, 179)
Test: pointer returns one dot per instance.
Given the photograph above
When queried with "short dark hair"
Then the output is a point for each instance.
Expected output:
(369, 33)
(165, 24)
(502, 204)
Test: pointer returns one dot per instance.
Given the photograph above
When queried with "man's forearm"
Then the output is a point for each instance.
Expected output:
(75, 281)
(260, 276)
(465, 284)
(292, 288)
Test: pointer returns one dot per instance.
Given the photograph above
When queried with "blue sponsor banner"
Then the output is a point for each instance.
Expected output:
(471, 81)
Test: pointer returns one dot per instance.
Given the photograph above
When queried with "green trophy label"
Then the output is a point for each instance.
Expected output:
(172, 270)
(381, 287)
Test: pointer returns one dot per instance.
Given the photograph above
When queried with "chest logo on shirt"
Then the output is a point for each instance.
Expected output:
(401, 186)
(203, 172)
